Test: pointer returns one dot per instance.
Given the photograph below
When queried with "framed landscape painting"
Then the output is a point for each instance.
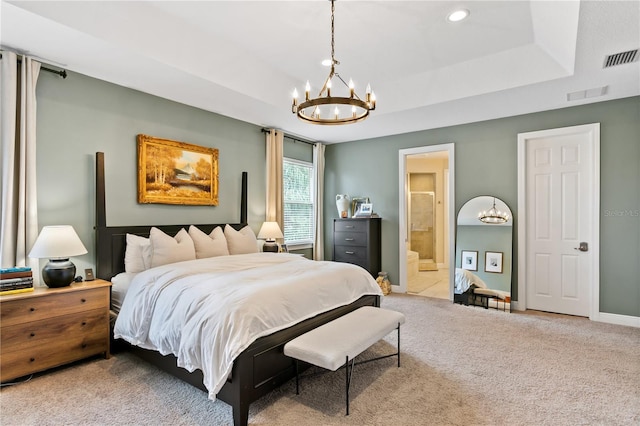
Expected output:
(172, 172)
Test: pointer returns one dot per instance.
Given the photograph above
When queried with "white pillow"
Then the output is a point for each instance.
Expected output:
(165, 249)
(241, 242)
(212, 245)
(137, 255)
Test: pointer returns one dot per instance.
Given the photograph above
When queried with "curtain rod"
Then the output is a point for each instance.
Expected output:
(290, 137)
(61, 73)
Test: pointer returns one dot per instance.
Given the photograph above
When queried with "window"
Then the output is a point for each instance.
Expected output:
(298, 202)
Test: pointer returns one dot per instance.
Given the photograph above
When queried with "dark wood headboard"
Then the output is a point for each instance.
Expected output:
(111, 240)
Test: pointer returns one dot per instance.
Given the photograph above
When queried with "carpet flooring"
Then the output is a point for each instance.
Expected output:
(460, 366)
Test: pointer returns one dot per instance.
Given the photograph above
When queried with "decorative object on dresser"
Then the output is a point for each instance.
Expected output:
(50, 327)
(356, 202)
(342, 203)
(357, 241)
(58, 244)
(269, 232)
(172, 172)
(365, 210)
(16, 280)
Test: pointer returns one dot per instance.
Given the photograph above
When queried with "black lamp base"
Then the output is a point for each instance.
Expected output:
(270, 247)
(58, 273)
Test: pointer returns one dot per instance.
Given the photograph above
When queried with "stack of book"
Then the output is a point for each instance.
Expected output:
(15, 280)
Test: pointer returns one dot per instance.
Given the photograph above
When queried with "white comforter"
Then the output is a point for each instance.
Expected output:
(207, 311)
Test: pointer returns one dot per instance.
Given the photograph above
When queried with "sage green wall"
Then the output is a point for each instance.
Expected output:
(486, 163)
(81, 115)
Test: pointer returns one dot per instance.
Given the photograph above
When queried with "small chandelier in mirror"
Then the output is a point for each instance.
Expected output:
(354, 109)
(493, 215)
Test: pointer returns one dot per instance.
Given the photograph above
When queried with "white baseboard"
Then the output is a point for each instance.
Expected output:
(627, 320)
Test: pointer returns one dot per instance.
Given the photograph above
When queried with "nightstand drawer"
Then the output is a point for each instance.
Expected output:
(350, 225)
(37, 308)
(357, 255)
(50, 334)
(20, 363)
(350, 239)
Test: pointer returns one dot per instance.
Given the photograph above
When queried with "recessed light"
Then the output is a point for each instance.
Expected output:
(458, 15)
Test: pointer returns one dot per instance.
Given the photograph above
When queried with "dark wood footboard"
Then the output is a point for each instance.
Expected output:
(260, 368)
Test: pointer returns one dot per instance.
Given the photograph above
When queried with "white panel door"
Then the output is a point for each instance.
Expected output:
(560, 207)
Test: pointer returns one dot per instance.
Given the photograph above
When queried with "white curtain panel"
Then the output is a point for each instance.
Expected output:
(318, 177)
(275, 198)
(19, 198)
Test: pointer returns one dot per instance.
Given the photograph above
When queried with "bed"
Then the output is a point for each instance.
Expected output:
(470, 289)
(259, 367)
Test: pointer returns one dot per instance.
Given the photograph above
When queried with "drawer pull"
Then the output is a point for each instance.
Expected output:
(32, 359)
(348, 239)
(349, 252)
(32, 335)
(83, 300)
(84, 323)
(84, 345)
(32, 309)
(348, 226)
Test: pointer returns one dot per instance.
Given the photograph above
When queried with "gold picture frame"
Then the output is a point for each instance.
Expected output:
(172, 172)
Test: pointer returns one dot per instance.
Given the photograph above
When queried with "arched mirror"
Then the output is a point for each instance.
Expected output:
(484, 243)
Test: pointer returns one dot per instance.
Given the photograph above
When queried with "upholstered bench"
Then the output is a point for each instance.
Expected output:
(337, 343)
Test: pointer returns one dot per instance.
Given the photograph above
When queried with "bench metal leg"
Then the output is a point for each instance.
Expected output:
(348, 374)
(297, 379)
(398, 345)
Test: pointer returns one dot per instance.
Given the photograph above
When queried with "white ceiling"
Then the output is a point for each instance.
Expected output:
(243, 59)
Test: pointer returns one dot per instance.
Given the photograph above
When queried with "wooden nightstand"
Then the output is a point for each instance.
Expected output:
(53, 326)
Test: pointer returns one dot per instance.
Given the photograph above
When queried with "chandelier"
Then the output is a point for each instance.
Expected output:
(309, 110)
(493, 215)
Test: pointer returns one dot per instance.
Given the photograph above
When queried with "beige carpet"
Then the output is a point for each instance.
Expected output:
(460, 366)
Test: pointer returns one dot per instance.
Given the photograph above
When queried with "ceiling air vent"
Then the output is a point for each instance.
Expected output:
(621, 58)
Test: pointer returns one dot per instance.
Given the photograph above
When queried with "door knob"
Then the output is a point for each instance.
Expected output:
(583, 247)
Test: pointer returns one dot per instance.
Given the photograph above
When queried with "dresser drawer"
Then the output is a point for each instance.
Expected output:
(72, 348)
(350, 239)
(53, 333)
(37, 308)
(350, 225)
(356, 255)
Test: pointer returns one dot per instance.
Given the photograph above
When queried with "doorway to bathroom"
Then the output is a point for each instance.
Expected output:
(426, 223)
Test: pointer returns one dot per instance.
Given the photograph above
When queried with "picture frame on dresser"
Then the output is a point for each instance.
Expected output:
(356, 202)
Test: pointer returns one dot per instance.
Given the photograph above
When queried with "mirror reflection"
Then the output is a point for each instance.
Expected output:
(484, 245)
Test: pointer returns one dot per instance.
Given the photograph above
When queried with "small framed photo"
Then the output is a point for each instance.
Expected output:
(284, 248)
(356, 202)
(469, 260)
(493, 262)
(366, 209)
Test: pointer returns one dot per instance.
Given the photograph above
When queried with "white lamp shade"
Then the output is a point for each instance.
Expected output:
(57, 242)
(270, 231)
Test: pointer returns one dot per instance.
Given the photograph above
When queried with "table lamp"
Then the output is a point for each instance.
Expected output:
(270, 231)
(58, 243)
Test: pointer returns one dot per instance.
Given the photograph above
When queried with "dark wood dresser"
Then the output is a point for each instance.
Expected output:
(357, 241)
